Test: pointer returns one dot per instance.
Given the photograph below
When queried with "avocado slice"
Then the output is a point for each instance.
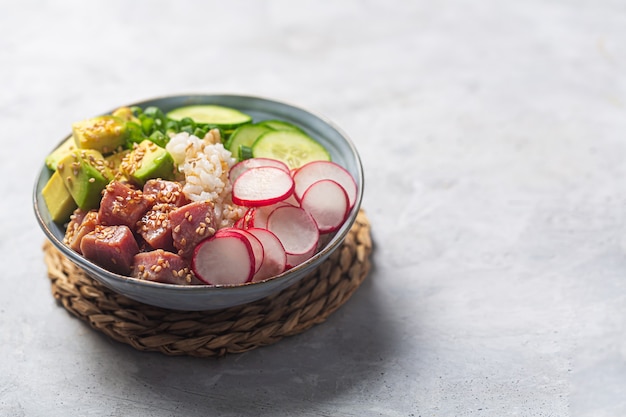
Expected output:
(59, 153)
(146, 161)
(126, 114)
(85, 174)
(58, 199)
(103, 133)
(114, 162)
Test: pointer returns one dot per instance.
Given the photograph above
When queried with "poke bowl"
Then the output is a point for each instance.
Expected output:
(221, 268)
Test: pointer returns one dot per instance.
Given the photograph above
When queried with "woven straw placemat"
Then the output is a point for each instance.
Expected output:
(216, 332)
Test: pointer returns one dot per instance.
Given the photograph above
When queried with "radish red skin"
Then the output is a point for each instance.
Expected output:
(262, 186)
(242, 166)
(225, 259)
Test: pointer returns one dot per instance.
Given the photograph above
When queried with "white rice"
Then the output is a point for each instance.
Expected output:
(205, 164)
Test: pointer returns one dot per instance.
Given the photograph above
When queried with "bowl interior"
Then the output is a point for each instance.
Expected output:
(206, 297)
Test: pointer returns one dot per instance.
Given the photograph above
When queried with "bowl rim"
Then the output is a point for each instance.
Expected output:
(330, 247)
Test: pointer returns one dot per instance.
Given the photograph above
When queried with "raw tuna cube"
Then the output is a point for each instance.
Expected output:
(122, 205)
(162, 266)
(87, 225)
(191, 224)
(155, 227)
(75, 220)
(165, 192)
(111, 247)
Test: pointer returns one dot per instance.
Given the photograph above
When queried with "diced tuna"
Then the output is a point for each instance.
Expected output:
(155, 227)
(75, 220)
(122, 205)
(165, 192)
(111, 247)
(191, 224)
(87, 225)
(162, 266)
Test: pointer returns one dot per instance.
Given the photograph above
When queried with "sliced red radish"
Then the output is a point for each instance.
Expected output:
(262, 186)
(274, 259)
(255, 243)
(315, 171)
(295, 260)
(258, 216)
(224, 259)
(246, 164)
(295, 229)
(327, 202)
(245, 221)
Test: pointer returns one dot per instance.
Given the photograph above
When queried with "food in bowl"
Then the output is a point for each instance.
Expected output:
(200, 195)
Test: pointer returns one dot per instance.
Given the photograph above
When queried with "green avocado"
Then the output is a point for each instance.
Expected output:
(58, 199)
(103, 133)
(65, 148)
(85, 174)
(114, 162)
(146, 161)
(126, 114)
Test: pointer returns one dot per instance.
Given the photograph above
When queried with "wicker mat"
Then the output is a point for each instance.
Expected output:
(217, 332)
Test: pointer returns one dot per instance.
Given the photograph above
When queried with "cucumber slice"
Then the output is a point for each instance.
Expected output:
(212, 115)
(291, 147)
(245, 152)
(244, 136)
(280, 125)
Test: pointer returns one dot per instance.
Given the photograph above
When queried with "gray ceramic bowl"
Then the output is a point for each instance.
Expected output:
(205, 297)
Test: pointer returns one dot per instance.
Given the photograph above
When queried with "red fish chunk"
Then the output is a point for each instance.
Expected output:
(122, 205)
(155, 227)
(87, 225)
(191, 224)
(165, 192)
(162, 266)
(111, 247)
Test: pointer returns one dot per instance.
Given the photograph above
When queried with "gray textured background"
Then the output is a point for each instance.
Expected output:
(493, 135)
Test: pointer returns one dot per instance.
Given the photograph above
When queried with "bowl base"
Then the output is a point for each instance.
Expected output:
(216, 332)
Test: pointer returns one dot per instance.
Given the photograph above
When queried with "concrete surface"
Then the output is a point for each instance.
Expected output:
(493, 136)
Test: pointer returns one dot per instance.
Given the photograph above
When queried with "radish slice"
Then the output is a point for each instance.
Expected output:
(246, 164)
(259, 215)
(224, 259)
(262, 186)
(295, 260)
(295, 229)
(274, 259)
(255, 243)
(315, 171)
(245, 222)
(327, 202)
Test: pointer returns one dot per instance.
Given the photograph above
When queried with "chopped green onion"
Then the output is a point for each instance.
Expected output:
(159, 138)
